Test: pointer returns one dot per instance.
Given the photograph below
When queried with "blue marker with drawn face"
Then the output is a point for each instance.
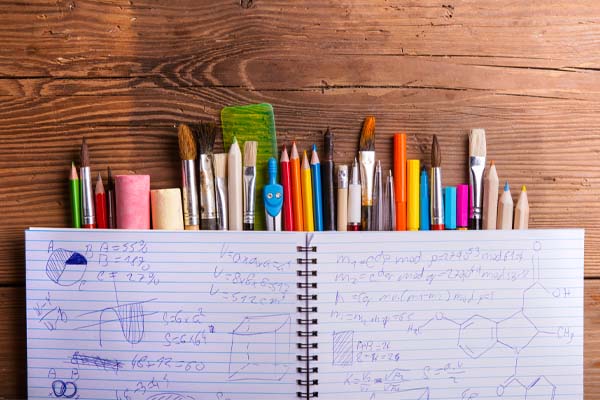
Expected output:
(273, 197)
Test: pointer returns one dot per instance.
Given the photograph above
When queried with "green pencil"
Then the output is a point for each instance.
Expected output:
(75, 196)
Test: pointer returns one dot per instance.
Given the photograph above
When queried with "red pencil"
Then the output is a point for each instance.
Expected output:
(100, 196)
(286, 182)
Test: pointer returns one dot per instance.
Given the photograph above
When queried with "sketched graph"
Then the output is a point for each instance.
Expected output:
(258, 345)
(65, 267)
(131, 317)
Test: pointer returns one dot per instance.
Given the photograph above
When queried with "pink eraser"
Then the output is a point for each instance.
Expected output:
(133, 201)
(462, 206)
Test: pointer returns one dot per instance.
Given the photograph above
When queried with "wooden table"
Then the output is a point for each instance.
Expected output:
(124, 73)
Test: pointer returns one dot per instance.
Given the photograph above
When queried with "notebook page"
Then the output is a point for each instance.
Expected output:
(451, 315)
(157, 315)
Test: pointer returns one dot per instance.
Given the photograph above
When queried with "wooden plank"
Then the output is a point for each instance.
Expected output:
(13, 356)
(124, 38)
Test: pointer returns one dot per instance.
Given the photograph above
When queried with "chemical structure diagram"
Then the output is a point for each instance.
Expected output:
(479, 334)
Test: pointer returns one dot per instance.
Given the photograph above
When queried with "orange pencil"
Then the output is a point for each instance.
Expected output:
(296, 189)
(400, 179)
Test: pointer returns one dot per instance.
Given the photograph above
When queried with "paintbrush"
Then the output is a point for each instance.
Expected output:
(189, 186)
(367, 168)
(205, 136)
(327, 170)
(436, 200)
(87, 195)
(477, 152)
(249, 175)
(220, 161)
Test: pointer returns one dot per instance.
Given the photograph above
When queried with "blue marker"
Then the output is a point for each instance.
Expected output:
(424, 220)
(450, 207)
(273, 198)
(315, 170)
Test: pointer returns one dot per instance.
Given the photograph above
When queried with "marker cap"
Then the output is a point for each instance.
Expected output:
(462, 206)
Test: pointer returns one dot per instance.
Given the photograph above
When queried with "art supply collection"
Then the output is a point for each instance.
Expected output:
(219, 191)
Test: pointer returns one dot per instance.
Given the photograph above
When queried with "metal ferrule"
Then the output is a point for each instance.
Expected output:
(342, 181)
(190, 193)
(87, 197)
(221, 203)
(207, 188)
(437, 200)
(249, 197)
(367, 171)
(273, 222)
(476, 167)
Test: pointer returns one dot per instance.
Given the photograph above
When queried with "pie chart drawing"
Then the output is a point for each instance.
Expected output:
(65, 267)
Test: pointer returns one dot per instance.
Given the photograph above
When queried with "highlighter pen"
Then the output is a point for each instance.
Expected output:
(317, 194)
(400, 179)
(307, 196)
(354, 196)
(424, 201)
(412, 204)
(450, 208)
(462, 207)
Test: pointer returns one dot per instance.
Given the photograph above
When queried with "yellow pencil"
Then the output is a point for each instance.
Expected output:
(307, 206)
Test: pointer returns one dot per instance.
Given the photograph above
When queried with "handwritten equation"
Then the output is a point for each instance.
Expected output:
(147, 316)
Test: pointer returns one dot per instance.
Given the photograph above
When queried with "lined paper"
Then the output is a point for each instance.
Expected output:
(451, 315)
(156, 315)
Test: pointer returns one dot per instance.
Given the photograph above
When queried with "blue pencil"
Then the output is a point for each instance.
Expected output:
(315, 169)
(424, 221)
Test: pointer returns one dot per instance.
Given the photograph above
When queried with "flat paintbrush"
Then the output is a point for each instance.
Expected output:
(205, 136)
(367, 169)
(189, 185)
(249, 176)
(477, 152)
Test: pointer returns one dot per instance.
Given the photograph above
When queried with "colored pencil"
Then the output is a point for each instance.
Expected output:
(307, 195)
(522, 210)
(315, 173)
(75, 197)
(297, 196)
(286, 182)
(490, 197)
(234, 187)
(505, 209)
(100, 198)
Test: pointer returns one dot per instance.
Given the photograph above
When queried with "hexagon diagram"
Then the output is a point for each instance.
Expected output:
(477, 335)
(541, 389)
(508, 327)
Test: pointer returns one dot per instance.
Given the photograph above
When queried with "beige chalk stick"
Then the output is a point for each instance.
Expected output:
(166, 209)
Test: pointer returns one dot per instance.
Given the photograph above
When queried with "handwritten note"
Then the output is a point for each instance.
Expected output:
(451, 315)
(157, 315)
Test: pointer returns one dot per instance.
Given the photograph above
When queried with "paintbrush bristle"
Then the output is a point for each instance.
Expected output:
(436, 154)
(220, 165)
(84, 156)
(206, 132)
(187, 143)
(367, 135)
(250, 148)
(477, 146)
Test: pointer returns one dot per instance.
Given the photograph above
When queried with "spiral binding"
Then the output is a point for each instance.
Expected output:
(306, 320)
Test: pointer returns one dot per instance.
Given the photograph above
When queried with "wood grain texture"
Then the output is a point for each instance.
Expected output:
(123, 73)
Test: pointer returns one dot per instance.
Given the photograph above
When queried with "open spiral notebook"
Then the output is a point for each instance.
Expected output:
(158, 315)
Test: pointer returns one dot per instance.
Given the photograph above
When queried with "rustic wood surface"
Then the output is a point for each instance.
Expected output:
(123, 73)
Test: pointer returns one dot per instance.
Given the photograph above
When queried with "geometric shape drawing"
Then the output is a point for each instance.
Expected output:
(477, 335)
(541, 389)
(517, 322)
(65, 267)
(343, 348)
(257, 344)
